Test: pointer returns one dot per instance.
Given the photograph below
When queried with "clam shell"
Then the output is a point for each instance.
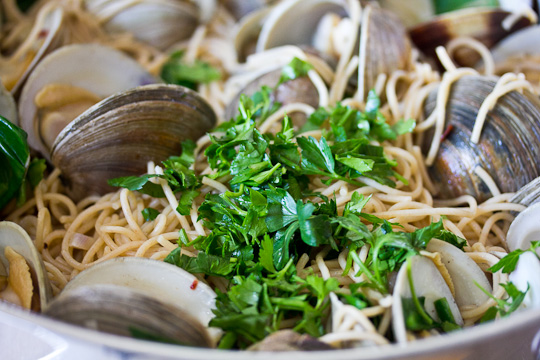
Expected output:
(96, 68)
(8, 109)
(119, 135)
(156, 22)
(483, 24)
(524, 229)
(51, 27)
(524, 276)
(298, 90)
(247, 32)
(528, 194)
(507, 147)
(17, 238)
(429, 283)
(294, 22)
(240, 8)
(464, 272)
(384, 47)
(169, 283)
(122, 311)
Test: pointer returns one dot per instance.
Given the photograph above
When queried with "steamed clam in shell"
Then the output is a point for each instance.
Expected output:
(14, 237)
(383, 45)
(124, 296)
(523, 230)
(299, 90)
(22, 62)
(241, 8)
(508, 143)
(428, 283)
(483, 24)
(8, 109)
(177, 19)
(119, 135)
(69, 81)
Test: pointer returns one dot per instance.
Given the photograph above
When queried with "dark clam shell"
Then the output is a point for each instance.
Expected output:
(509, 144)
(119, 135)
(298, 90)
(483, 24)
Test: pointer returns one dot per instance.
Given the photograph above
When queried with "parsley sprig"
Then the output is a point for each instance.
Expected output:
(259, 229)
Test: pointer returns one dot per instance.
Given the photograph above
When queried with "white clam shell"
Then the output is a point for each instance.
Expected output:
(464, 273)
(96, 68)
(524, 229)
(429, 283)
(17, 238)
(294, 22)
(51, 25)
(163, 281)
(527, 273)
(8, 108)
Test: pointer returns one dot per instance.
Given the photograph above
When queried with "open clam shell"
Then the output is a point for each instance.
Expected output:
(97, 69)
(294, 22)
(383, 48)
(8, 109)
(147, 281)
(525, 276)
(524, 229)
(119, 135)
(299, 90)
(122, 311)
(14, 236)
(429, 283)
(50, 27)
(508, 144)
(483, 24)
(177, 19)
(464, 272)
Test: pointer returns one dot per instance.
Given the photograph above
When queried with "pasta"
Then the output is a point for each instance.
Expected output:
(73, 236)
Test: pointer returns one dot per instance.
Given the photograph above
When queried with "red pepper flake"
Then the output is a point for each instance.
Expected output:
(447, 132)
(43, 33)
(194, 284)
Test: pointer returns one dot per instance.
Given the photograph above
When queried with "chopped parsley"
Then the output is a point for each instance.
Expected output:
(176, 71)
(259, 229)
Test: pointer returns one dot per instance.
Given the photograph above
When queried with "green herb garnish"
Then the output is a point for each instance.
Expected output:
(175, 71)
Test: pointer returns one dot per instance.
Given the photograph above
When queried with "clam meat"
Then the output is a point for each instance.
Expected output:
(23, 268)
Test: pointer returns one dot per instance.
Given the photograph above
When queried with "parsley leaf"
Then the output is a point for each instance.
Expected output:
(149, 214)
(175, 71)
(295, 69)
(508, 263)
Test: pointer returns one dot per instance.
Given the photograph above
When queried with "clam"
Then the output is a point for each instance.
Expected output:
(67, 82)
(524, 229)
(247, 32)
(519, 53)
(289, 340)
(284, 27)
(159, 23)
(428, 283)
(484, 24)
(240, 8)
(293, 91)
(14, 237)
(525, 276)
(119, 135)
(383, 47)
(8, 109)
(464, 273)
(507, 146)
(44, 35)
(138, 296)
